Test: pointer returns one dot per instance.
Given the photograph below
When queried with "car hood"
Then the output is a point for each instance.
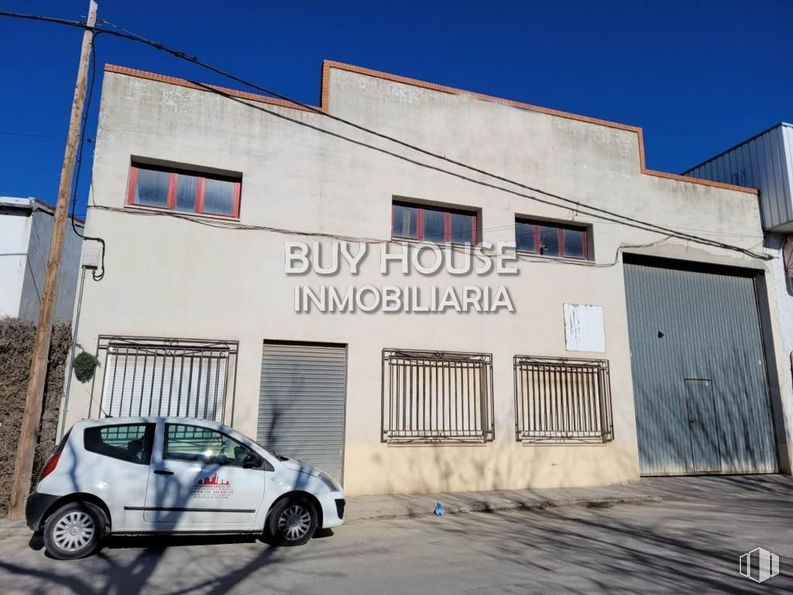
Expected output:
(300, 467)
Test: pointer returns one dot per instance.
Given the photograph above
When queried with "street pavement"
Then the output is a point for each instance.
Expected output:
(658, 547)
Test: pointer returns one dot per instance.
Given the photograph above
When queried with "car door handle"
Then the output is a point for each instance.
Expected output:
(162, 472)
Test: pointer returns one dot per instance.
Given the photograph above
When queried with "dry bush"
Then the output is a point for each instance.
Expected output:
(16, 342)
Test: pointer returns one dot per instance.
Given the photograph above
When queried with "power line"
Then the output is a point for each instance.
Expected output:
(29, 134)
(590, 210)
(578, 206)
(187, 57)
(468, 178)
(80, 25)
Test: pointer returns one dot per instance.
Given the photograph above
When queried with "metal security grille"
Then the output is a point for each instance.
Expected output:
(560, 400)
(433, 396)
(166, 377)
(121, 435)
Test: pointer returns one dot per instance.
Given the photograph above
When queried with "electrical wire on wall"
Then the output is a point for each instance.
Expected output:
(465, 249)
(96, 275)
(552, 199)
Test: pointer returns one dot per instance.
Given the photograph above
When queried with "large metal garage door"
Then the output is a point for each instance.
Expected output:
(301, 403)
(699, 373)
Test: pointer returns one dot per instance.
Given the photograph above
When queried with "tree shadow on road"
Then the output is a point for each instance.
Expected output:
(219, 566)
(617, 549)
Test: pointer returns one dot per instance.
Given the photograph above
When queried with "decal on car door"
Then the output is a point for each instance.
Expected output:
(212, 486)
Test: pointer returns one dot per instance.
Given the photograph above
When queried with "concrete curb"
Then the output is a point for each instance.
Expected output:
(494, 506)
(9, 529)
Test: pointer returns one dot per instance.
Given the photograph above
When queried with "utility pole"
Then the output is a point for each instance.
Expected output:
(34, 398)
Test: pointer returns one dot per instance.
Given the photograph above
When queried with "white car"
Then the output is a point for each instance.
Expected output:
(144, 475)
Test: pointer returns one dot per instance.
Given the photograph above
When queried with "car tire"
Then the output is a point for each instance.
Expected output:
(292, 521)
(74, 531)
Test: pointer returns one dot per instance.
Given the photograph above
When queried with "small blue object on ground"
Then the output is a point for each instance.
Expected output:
(439, 510)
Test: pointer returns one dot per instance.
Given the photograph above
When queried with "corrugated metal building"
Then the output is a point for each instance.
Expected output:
(765, 162)
(25, 233)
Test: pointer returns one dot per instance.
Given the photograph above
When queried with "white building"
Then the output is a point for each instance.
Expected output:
(25, 232)
(624, 350)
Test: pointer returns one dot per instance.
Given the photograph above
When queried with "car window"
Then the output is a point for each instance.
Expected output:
(194, 443)
(129, 442)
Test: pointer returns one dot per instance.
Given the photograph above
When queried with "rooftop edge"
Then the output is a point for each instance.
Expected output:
(327, 65)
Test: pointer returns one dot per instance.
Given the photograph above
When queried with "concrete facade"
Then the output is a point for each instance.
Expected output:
(171, 277)
(25, 232)
(783, 295)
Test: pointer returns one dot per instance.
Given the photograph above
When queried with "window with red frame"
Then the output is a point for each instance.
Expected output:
(434, 224)
(552, 239)
(184, 191)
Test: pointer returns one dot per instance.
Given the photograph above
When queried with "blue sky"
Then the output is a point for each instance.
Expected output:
(697, 75)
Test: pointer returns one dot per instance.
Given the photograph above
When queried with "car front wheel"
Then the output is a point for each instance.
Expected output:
(73, 531)
(292, 521)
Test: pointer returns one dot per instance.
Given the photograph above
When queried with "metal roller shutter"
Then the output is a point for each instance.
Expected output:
(699, 372)
(301, 403)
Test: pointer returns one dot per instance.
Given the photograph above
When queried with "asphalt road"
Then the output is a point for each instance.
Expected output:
(679, 547)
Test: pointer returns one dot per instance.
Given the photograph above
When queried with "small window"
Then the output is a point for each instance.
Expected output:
(562, 400)
(184, 191)
(129, 442)
(552, 239)
(433, 224)
(433, 397)
(195, 443)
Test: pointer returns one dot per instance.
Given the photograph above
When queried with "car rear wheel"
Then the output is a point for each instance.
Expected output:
(292, 521)
(73, 531)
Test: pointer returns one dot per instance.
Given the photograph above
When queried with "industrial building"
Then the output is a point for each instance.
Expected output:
(277, 269)
(25, 232)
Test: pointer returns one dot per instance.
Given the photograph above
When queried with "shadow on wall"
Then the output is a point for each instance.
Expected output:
(723, 425)
(429, 469)
(782, 244)
(709, 419)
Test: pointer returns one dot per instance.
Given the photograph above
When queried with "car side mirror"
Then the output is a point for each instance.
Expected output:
(252, 461)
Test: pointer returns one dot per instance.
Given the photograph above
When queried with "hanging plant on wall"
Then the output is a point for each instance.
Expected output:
(85, 365)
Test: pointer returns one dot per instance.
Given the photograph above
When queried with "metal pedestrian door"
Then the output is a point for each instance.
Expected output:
(699, 372)
(701, 411)
(301, 403)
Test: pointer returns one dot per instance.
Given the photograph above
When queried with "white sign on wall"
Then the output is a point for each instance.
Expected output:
(583, 328)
